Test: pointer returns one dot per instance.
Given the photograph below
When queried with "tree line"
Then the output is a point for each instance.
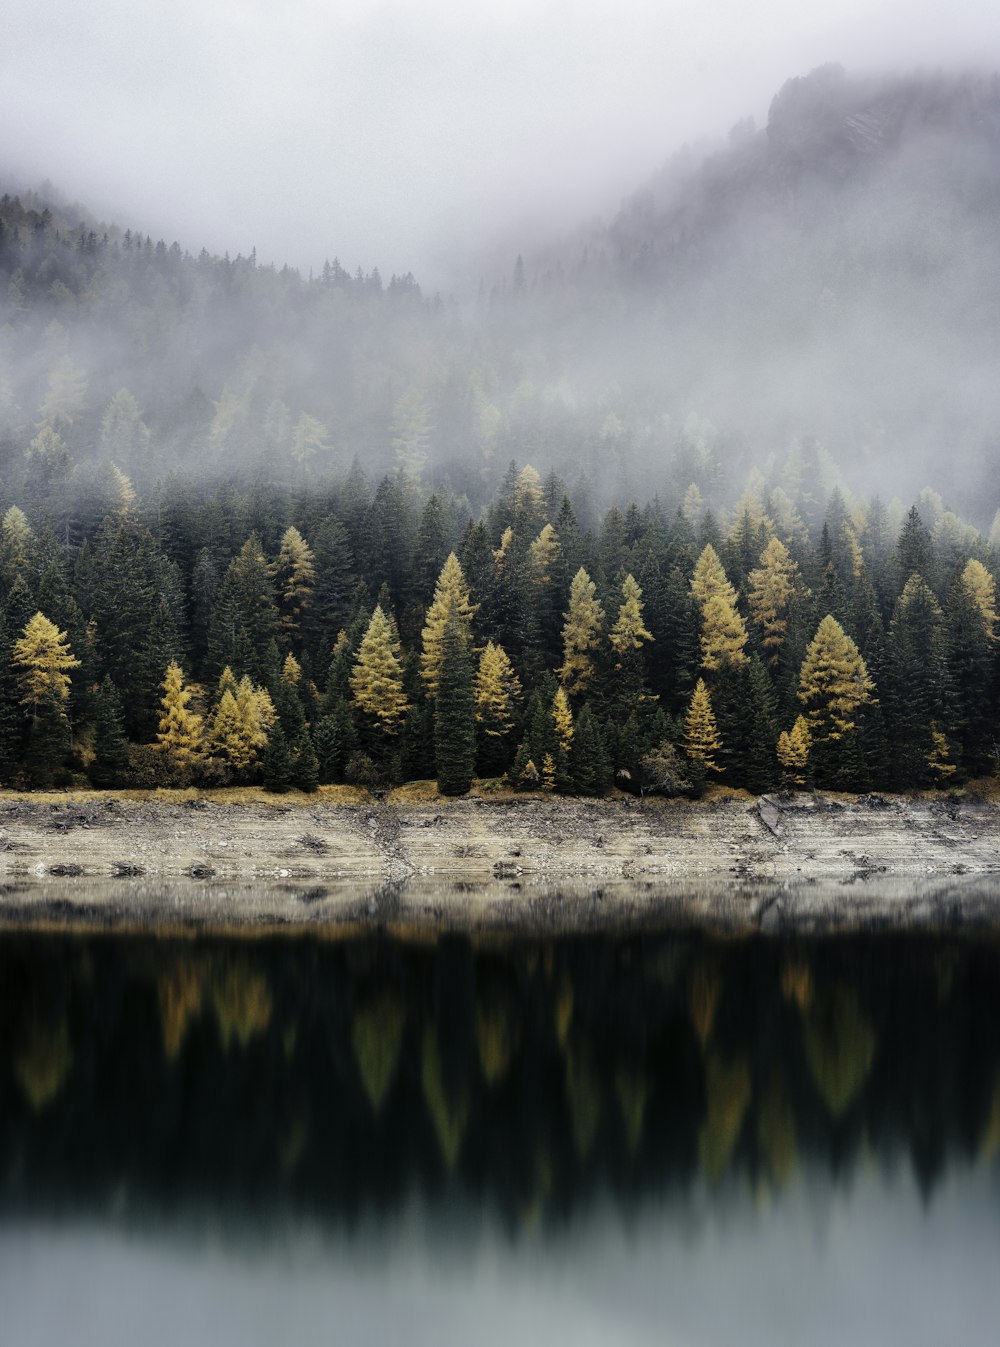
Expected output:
(377, 634)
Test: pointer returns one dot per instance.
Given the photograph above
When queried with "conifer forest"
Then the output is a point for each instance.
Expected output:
(257, 527)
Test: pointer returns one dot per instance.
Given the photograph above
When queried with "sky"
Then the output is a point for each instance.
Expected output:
(412, 135)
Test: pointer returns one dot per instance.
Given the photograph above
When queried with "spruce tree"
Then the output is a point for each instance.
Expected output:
(454, 712)
(110, 762)
(277, 762)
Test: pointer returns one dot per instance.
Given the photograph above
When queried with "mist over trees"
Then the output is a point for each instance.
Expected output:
(826, 285)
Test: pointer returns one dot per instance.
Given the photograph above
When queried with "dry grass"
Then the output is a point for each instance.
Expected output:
(246, 795)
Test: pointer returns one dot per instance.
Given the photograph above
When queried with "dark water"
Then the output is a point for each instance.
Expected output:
(649, 1138)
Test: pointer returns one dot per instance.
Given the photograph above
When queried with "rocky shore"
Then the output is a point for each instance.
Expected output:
(526, 861)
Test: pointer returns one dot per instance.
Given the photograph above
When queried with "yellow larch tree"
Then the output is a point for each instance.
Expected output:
(701, 734)
(451, 599)
(562, 719)
(773, 586)
(291, 671)
(723, 635)
(497, 691)
(981, 589)
(710, 578)
(793, 751)
(243, 719)
(295, 579)
(833, 683)
(180, 733)
(43, 659)
(629, 631)
(581, 634)
(377, 676)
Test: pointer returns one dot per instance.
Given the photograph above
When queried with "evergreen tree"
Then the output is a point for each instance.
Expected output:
(917, 691)
(110, 762)
(304, 764)
(454, 712)
(277, 762)
(589, 762)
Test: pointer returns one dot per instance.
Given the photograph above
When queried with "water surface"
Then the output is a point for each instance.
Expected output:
(633, 1137)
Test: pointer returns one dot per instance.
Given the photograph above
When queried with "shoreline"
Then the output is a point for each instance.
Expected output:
(181, 859)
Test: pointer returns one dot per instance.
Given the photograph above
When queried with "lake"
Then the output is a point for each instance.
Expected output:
(628, 1137)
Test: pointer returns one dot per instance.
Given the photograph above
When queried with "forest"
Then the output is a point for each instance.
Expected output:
(372, 633)
(261, 527)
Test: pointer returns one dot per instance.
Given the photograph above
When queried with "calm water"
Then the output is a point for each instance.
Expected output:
(649, 1138)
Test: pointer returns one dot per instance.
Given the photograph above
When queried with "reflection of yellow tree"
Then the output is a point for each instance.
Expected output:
(496, 1039)
(450, 1114)
(377, 1034)
(776, 1132)
(180, 993)
(797, 983)
(564, 1010)
(583, 1093)
(632, 1090)
(242, 1003)
(840, 1046)
(989, 1146)
(704, 993)
(43, 1063)
(727, 1092)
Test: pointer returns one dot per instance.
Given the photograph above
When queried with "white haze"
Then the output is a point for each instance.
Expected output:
(409, 134)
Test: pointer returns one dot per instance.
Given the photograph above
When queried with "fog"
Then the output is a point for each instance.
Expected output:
(408, 135)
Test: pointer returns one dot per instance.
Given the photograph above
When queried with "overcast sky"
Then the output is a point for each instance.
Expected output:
(398, 133)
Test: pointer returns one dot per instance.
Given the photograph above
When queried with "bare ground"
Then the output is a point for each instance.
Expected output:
(527, 862)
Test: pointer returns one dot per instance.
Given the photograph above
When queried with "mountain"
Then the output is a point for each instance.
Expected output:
(829, 282)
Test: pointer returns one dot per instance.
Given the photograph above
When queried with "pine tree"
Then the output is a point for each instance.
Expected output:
(971, 659)
(917, 691)
(304, 771)
(581, 635)
(701, 736)
(451, 599)
(245, 617)
(110, 763)
(180, 733)
(589, 762)
(454, 712)
(277, 762)
(377, 676)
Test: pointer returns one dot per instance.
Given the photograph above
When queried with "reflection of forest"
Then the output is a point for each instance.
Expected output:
(333, 1076)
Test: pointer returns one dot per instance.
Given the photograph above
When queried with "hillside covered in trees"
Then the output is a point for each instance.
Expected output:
(831, 277)
(199, 582)
(373, 633)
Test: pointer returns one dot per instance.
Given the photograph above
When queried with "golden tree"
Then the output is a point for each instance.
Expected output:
(701, 734)
(451, 599)
(793, 751)
(243, 720)
(629, 631)
(833, 683)
(44, 660)
(497, 691)
(981, 589)
(295, 578)
(773, 586)
(562, 720)
(180, 731)
(377, 677)
(581, 634)
(710, 578)
(723, 634)
(543, 555)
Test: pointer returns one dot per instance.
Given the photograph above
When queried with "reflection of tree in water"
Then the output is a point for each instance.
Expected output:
(337, 1075)
(377, 1037)
(840, 1046)
(43, 1063)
